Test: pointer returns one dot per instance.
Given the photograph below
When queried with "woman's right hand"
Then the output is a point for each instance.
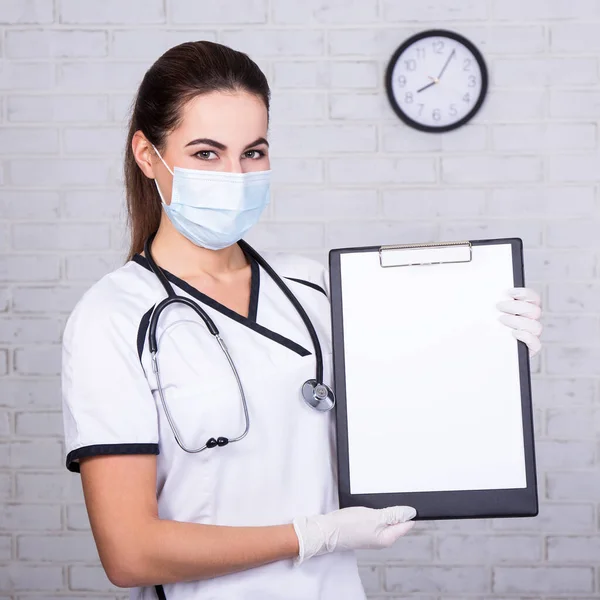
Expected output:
(352, 529)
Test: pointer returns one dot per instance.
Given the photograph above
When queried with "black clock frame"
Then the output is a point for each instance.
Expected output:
(409, 42)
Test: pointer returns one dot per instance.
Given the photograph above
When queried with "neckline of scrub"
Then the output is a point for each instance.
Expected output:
(249, 321)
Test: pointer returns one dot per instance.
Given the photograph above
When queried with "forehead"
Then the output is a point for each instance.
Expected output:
(227, 117)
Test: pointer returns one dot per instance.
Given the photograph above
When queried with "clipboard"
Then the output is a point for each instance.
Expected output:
(433, 393)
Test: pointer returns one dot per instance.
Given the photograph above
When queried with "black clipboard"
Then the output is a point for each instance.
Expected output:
(513, 501)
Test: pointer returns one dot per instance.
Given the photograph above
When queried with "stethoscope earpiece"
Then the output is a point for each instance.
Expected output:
(318, 395)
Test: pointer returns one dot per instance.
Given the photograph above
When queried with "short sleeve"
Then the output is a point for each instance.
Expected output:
(108, 407)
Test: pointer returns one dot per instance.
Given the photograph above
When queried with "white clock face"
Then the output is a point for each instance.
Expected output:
(437, 82)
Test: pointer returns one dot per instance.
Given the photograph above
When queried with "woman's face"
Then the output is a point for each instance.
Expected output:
(220, 131)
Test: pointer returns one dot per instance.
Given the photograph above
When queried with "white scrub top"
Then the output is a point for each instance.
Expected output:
(286, 465)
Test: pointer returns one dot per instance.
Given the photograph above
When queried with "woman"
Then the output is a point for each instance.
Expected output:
(222, 511)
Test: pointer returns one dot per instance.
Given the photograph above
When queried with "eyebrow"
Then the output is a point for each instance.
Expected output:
(220, 146)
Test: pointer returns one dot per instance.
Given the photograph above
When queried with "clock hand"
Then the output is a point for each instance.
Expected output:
(447, 62)
(434, 80)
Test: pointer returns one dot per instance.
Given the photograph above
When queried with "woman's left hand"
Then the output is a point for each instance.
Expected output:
(522, 314)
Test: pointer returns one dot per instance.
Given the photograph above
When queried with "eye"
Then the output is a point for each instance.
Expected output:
(254, 154)
(206, 155)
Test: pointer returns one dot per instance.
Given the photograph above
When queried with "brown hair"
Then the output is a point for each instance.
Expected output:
(178, 76)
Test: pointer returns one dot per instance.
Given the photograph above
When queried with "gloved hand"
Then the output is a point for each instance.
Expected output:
(522, 316)
(352, 528)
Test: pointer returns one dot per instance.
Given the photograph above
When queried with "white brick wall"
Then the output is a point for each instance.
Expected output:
(347, 172)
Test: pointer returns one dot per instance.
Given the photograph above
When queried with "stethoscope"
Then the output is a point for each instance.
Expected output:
(315, 393)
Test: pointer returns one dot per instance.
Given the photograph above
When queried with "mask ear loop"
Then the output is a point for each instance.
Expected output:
(155, 181)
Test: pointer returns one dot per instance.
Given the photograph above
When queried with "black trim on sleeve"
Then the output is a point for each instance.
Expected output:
(142, 329)
(310, 284)
(160, 592)
(254, 290)
(246, 321)
(107, 449)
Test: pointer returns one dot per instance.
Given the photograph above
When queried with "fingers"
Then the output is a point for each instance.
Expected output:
(532, 342)
(526, 294)
(393, 532)
(521, 308)
(398, 514)
(522, 324)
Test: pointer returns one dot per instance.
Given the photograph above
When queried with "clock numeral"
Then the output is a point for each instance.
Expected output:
(453, 112)
(401, 81)
(467, 64)
(420, 52)
(472, 80)
(467, 98)
(436, 114)
(408, 98)
(438, 46)
(421, 107)
(411, 65)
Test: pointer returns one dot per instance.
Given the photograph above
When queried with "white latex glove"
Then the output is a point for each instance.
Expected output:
(352, 528)
(522, 314)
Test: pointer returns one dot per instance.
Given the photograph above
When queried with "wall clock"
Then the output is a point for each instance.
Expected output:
(436, 81)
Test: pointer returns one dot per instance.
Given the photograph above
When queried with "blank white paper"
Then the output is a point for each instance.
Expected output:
(432, 376)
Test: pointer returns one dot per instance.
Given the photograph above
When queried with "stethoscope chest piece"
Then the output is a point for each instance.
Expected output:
(318, 395)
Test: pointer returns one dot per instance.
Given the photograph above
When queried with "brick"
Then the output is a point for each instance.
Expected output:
(296, 236)
(152, 43)
(543, 580)
(189, 12)
(515, 72)
(5, 547)
(294, 107)
(4, 299)
(571, 201)
(574, 104)
(571, 168)
(359, 106)
(90, 140)
(100, 76)
(367, 41)
(398, 138)
(91, 267)
(513, 105)
(40, 453)
(93, 204)
(17, 12)
(557, 137)
(566, 549)
(445, 10)
(301, 74)
(294, 170)
(561, 392)
(5, 423)
(573, 37)
(35, 424)
(24, 331)
(421, 203)
(59, 108)
(121, 106)
(338, 12)
(575, 297)
(59, 172)
(437, 579)
(568, 329)
(5, 486)
(489, 549)
(370, 578)
(23, 205)
(572, 360)
(16, 76)
(412, 548)
(93, 579)
(299, 140)
(344, 234)
(482, 169)
(38, 360)
(77, 517)
(552, 265)
(573, 422)
(38, 236)
(370, 170)
(572, 234)
(59, 299)
(71, 548)
(29, 268)
(574, 486)
(329, 204)
(552, 518)
(49, 487)
(272, 42)
(111, 12)
(529, 231)
(3, 362)
(543, 9)
(28, 141)
(355, 75)
(564, 454)
(30, 393)
(51, 43)
(22, 577)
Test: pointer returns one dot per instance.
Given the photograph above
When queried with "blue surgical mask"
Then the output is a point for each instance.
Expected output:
(214, 209)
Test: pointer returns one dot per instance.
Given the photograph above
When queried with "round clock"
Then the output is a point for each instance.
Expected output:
(436, 81)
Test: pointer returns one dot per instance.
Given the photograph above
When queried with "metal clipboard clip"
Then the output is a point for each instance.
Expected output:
(435, 253)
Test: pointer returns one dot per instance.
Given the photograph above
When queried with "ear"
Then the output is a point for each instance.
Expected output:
(144, 154)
